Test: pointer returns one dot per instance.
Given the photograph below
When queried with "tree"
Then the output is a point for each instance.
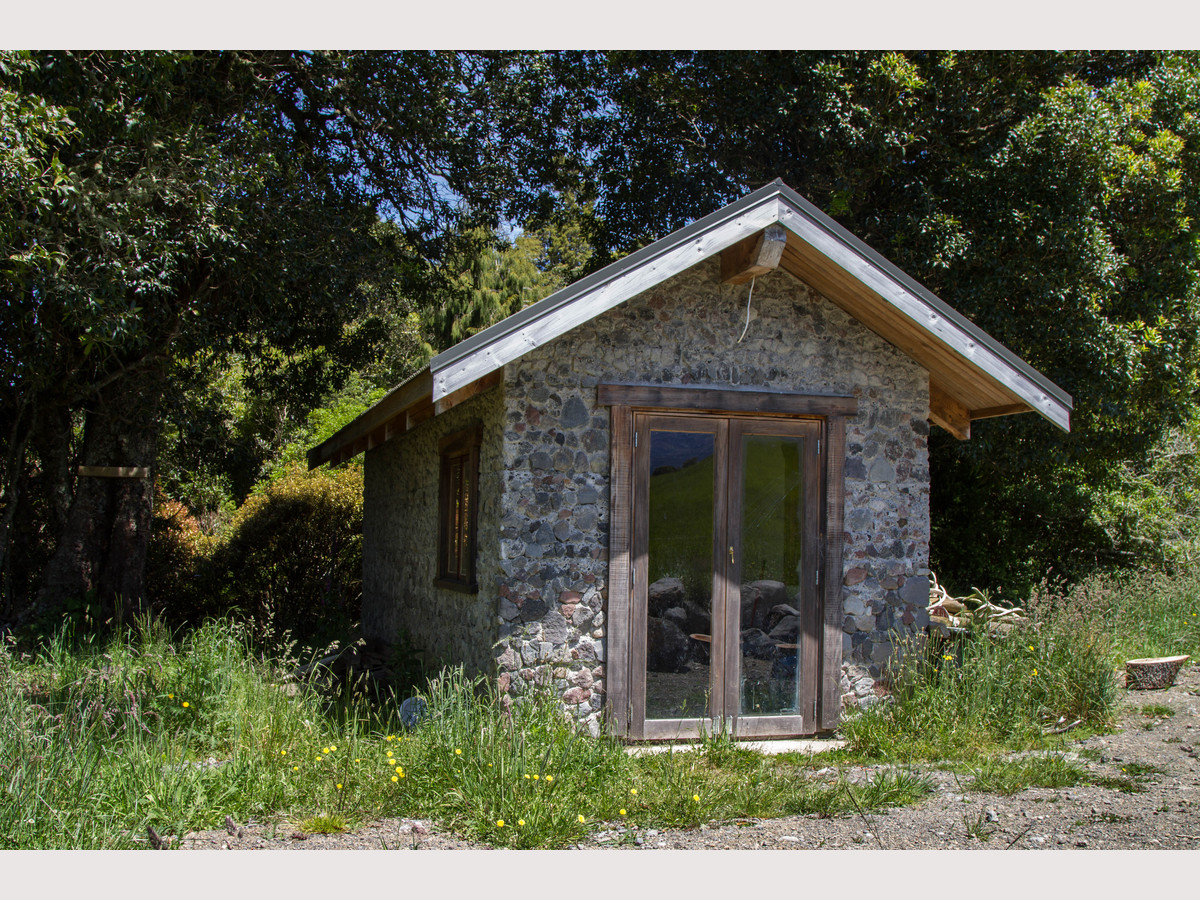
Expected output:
(1051, 197)
(187, 204)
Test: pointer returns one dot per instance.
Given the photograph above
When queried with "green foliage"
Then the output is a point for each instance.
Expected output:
(291, 558)
(109, 738)
(499, 276)
(977, 693)
(183, 208)
(1050, 197)
(1009, 776)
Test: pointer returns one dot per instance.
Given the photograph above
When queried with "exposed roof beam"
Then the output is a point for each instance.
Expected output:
(753, 256)
(948, 413)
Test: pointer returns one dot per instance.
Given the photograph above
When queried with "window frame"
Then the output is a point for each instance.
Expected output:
(458, 452)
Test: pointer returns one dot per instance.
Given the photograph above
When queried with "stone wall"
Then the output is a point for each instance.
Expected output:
(400, 539)
(554, 497)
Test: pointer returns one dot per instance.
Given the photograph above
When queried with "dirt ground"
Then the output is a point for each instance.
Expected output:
(1165, 815)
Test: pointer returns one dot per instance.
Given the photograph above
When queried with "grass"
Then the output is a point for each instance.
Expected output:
(1008, 776)
(1157, 711)
(980, 696)
(107, 739)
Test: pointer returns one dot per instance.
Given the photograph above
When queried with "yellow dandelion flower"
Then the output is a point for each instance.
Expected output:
(186, 704)
(339, 787)
(499, 823)
(633, 792)
(580, 819)
(489, 765)
(395, 778)
(526, 777)
(283, 753)
(549, 778)
(401, 774)
(295, 768)
(391, 737)
(520, 821)
(535, 777)
(457, 751)
(696, 797)
(1031, 646)
(333, 749)
(399, 769)
(358, 760)
(170, 696)
(947, 657)
(1035, 672)
(389, 753)
(622, 812)
(324, 749)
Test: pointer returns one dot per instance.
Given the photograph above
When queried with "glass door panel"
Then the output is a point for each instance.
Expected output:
(679, 574)
(772, 607)
(679, 480)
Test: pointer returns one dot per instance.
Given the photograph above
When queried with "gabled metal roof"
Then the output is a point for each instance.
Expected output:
(979, 375)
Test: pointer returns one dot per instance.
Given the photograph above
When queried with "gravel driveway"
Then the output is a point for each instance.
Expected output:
(1165, 815)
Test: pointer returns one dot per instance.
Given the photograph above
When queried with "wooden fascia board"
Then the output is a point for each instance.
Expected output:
(913, 307)
(560, 319)
(342, 445)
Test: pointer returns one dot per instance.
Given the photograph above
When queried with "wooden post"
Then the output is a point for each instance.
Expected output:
(114, 471)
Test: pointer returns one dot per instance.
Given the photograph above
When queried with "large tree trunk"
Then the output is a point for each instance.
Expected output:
(101, 553)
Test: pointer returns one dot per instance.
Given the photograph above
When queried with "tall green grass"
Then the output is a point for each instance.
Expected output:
(106, 739)
(981, 694)
(976, 694)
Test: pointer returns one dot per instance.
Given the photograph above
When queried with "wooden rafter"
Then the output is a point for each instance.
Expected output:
(753, 256)
(948, 413)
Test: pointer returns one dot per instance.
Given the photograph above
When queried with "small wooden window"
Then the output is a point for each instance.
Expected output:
(458, 501)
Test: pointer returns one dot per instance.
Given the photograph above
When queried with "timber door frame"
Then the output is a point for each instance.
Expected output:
(831, 413)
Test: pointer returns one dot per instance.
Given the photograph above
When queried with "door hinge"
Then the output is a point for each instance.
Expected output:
(814, 721)
(818, 446)
(635, 439)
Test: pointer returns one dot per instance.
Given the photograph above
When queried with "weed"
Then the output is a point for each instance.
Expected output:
(324, 824)
(1141, 770)
(1157, 711)
(1120, 783)
(1011, 776)
(978, 827)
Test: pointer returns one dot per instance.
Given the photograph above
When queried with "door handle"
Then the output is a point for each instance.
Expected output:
(731, 560)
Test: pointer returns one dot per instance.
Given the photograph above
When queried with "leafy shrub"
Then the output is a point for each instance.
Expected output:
(178, 546)
(291, 559)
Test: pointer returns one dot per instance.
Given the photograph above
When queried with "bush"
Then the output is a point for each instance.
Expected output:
(288, 563)
(178, 547)
(291, 559)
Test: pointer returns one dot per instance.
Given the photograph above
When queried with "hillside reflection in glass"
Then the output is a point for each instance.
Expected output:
(772, 541)
(679, 607)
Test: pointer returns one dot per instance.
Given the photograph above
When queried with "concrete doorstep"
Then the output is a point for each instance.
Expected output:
(768, 748)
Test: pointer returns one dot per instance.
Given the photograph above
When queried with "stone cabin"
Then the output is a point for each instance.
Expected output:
(688, 492)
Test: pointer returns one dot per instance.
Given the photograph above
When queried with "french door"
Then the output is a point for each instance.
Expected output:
(725, 611)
